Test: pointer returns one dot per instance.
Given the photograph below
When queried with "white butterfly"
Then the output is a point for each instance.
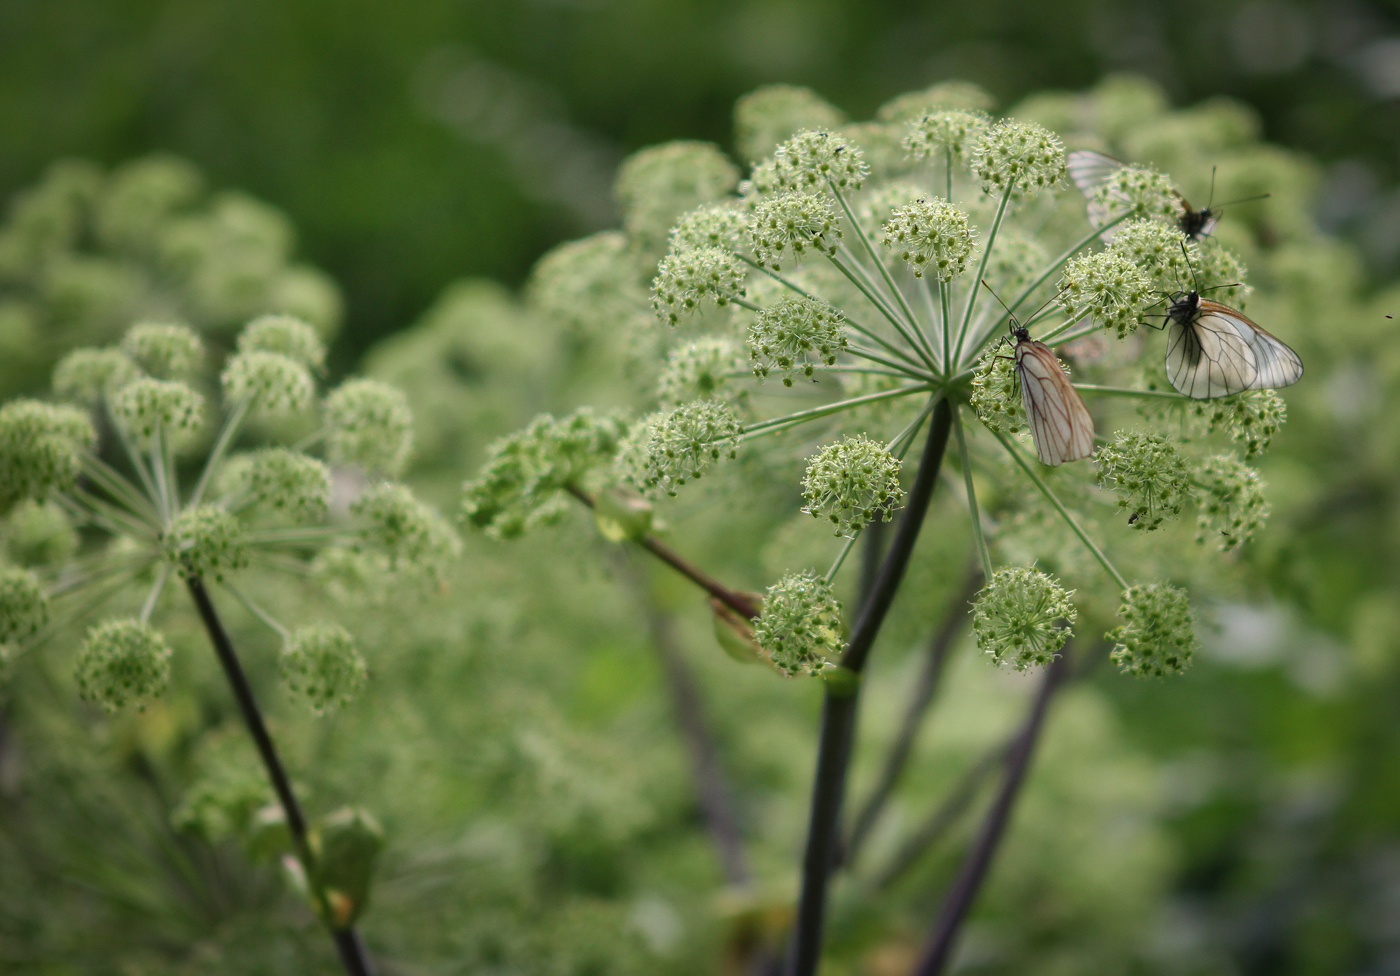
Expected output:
(1060, 423)
(1090, 170)
(1214, 351)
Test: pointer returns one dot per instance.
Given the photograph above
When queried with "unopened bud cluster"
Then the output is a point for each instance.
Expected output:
(666, 450)
(1022, 617)
(1157, 637)
(851, 483)
(322, 666)
(800, 627)
(1148, 474)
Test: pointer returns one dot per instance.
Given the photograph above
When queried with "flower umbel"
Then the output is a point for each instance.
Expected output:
(795, 335)
(322, 666)
(1157, 637)
(931, 235)
(852, 482)
(1017, 617)
(792, 225)
(1232, 506)
(667, 450)
(1148, 474)
(123, 662)
(800, 627)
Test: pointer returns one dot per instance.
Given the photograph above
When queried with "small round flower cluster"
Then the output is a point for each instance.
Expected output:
(41, 448)
(527, 473)
(289, 481)
(931, 235)
(165, 351)
(851, 482)
(687, 279)
(698, 370)
(207, 542)
(795, 335)
(286, 336)
(123, 662)
(956, 132)
(1157, 637)
(718, 225)
(87, 375)
(270, 382)
(409, 532)
(322, 666)
(996, 392)
(791, 225)
(816, 159)
(24, 607)
(1157, 250)
(1252, 418)
(1108, 287)
(800, 627)
(1141, 192)
(148, 407)
(1232, 503)
(1148, 474)
(1017, 616)
(1020, 158)
(369, 424)
(666, 450)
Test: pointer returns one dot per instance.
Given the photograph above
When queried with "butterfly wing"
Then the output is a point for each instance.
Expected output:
(1060, 423)
(1090, 170)
(1219, 351)
(1276, 365)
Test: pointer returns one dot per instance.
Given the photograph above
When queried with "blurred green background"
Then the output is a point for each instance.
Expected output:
(414, 143)
(359, 161)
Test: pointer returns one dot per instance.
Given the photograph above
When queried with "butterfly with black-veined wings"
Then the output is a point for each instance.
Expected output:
(1060, 423)
(1214, 351)
(1090, 170)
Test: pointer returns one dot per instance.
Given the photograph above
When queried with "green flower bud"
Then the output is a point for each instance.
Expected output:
(39, 535)
(1144, 193)
(1252, 418)
(1156, 249)
(765, 117)
(668, 449)
(792, 224)
(1232, 506)
(957, 132)
(86, 375)
(796, 335)
(1148, 474)
(322, 666)
(41, 449)
(24, 607)
(276, 384)
(591, 285)
(123, 662)
(526, 474)
(718, 225)
(698, 369)
(347, 845)
(996, 392)
(1109, 288)
(914, 105)
(687, 279)
(800, 627)
(285, 335)
(206, 542)
(145, 406)
(931, 235)
(165, 351)
(1158, 635)
(817, 158)
(851, 482)
(411, 534)
(370, 425)
(1022, 155)
(289, 481)
(1017, 614)
(659, 183)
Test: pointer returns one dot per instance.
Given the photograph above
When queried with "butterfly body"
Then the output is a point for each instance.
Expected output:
(1090, 170)
(1215, 351)
(1060, 423)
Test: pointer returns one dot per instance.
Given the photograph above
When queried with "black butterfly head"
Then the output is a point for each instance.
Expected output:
(1021, 333)
(1184, 306)
(1195, 223)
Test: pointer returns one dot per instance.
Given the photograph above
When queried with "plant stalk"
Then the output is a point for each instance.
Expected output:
(839, 709)
(939, 949)
(347, 942)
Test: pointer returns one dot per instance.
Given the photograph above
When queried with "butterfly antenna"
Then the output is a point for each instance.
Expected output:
(1009, 314)
(1190, 267)
(1212, 188)
(1258, 196)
